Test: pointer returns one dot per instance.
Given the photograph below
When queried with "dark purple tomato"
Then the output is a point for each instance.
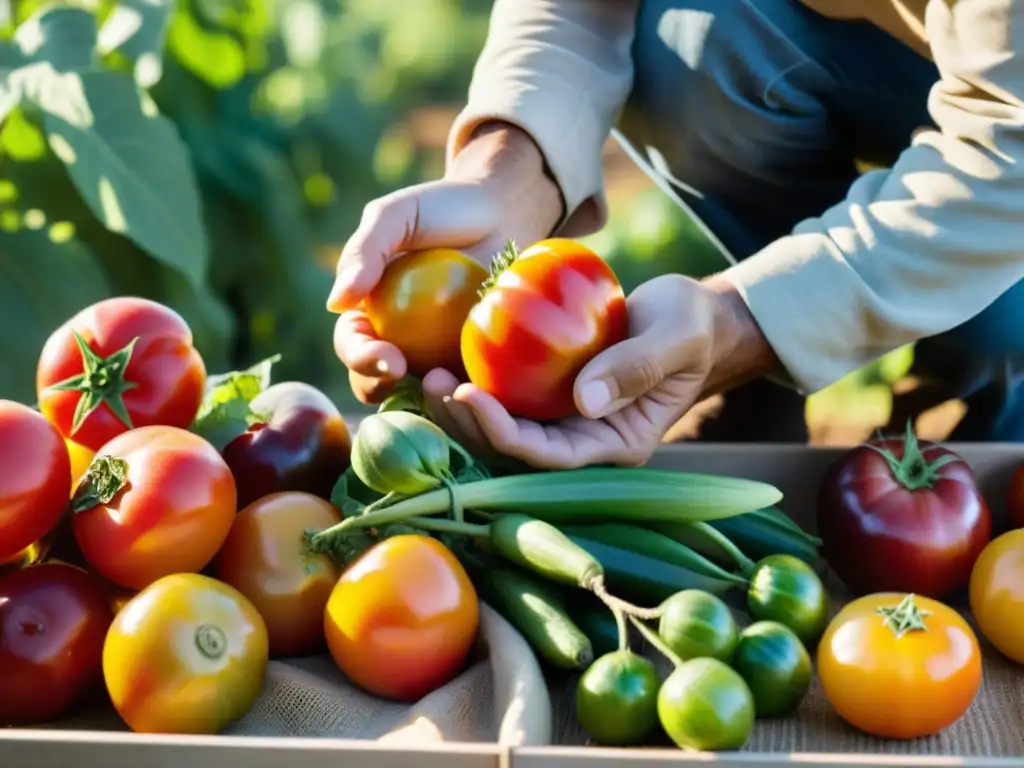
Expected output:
(897, 515)
(301, 444)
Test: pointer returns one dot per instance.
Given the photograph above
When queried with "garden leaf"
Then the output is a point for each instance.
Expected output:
(64, 37)
(127, 162)
(225, 412)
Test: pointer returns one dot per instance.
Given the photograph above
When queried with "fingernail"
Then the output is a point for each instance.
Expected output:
(446, 399)
(383, 367)
(595, 396)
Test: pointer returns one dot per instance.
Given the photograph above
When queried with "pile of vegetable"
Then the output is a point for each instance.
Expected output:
(164, 533)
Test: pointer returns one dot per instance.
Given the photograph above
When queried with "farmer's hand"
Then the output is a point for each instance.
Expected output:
(495, 189)
(688, 339)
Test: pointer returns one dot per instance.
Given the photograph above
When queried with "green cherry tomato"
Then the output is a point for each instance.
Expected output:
(775, 665)
(697, 624)
(617, 699)
(706, 705)
(787, 590)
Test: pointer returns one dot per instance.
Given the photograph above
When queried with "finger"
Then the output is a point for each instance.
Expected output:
(534, 443)
(369, 390)
(358, 347)
(619, 375)
(386, 226)
(453, 417)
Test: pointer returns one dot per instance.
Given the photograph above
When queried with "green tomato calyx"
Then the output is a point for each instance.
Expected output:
(101, 381)
(501, 261)
(913, 470)
(905, 617)
(104, 479)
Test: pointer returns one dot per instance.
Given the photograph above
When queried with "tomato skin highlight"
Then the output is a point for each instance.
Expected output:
(302, 444)
(263, 558)
(166, 370)
(547, 315)
(878, 535)
(421, 303)
(997, 594)
(402, 618)
(35, 479)
(899, 687)
(53, 621)
(172, 515)
(188, 654)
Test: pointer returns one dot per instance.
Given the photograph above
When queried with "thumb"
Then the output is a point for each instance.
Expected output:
(624, 372)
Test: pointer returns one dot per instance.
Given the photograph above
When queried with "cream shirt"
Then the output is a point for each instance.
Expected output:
(912, 251)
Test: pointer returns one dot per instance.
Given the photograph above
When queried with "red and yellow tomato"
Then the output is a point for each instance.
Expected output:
(53, 621)
(402, 618)
(169, 512)
(186, 655)
(421, 303)
(546, 314)
(264, 559)
(899, 666)
(81, 457)
(997, 594)
(121, 363)
(35, 479)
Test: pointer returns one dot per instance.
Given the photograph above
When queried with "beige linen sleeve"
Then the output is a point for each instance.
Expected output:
(560, 70)
(925, 246)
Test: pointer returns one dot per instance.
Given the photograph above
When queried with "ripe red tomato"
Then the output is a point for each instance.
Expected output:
(160, 501)
(546, 314)
(263, 558)
(35, 478)
(420, 304)
(896, 515)
(402, 618)
(301, 443)
(53, 621)
(120, 363)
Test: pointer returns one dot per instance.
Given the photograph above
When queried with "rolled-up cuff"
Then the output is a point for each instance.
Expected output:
(796, 292)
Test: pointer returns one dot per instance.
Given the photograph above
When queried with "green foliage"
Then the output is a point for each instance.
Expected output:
(211, 155)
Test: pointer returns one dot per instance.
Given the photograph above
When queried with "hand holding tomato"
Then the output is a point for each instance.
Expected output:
(495, 187)
(629, 394)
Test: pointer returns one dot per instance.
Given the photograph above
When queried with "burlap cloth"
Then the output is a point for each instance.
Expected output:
(502, 697)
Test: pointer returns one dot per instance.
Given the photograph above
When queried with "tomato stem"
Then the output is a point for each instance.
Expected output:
(101, 381)
(106, 476)
(913, 470)
(653, 639)
(618, 604)
(905, 617)
(622, 627)
(501, 261)
(211, 641)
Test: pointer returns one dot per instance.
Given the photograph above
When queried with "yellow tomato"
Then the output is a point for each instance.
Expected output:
(81, 458)
(899, 666)
(185, 655)
(997, 593)
(421, 303)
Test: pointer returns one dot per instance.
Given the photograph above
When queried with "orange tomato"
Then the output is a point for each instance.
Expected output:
(899, 666)
(81, 458)
(997, 593)
(263, 558)
(185, 655)
(550, 310)
(170, 516)
(402, 618)
(421, 303)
